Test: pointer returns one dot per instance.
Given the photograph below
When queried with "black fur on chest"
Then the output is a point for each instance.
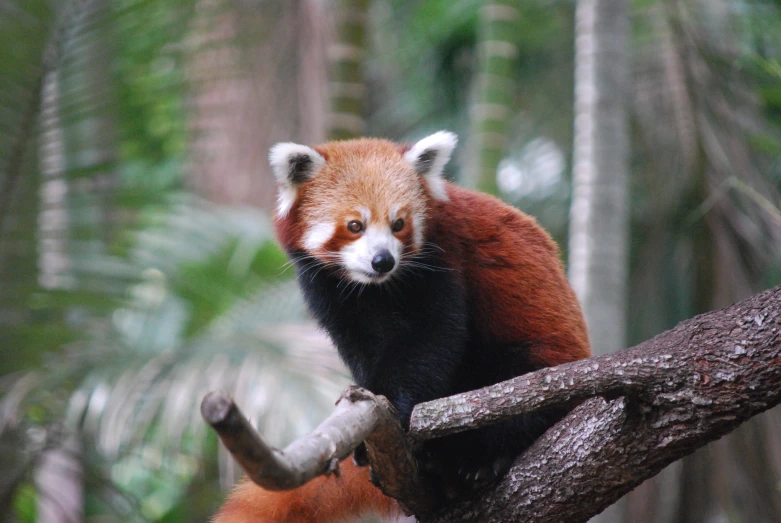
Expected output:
(404, 338)
(410, 340)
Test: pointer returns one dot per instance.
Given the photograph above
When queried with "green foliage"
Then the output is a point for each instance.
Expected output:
(150, 78)
(24, 503)
(425, 48)
(164, 296)
(201, 313)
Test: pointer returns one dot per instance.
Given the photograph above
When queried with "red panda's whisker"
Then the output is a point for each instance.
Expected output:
(421, 265)
(292, 261)
(426, 253)
(432, 244)
(318, 265)
(394, 288)
(322, 268)
(417, 263)
(351, 285)
(362, 287)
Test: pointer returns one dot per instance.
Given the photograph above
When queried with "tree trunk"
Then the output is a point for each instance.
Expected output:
(258, 76)
(90, 130)
(497, 54)
(347, 56)
(59, 483)
(599, 222)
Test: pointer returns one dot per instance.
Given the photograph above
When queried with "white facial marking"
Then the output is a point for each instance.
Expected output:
(365, 213)
(285, 200)
(357, 256)
(318, 234)
(440, 145)
(417, 224)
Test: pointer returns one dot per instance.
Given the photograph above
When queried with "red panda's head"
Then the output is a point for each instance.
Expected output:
(359, 205)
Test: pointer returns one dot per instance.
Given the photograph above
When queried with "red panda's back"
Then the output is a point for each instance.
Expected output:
(517, 285)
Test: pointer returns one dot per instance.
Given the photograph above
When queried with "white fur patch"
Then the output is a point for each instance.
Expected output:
(357, 256)
(279, 157)
(318, 234)
(286, 197)
(441, 144)
(365, 213)
(417, 234)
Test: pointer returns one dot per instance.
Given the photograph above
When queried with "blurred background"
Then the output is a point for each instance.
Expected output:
(138, 268)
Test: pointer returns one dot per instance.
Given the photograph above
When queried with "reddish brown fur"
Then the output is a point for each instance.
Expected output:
(322, 499)
(515, 282)
(363, 172)
(512, 266)
(514, 274)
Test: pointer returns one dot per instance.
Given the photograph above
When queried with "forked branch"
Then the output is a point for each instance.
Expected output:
(354, 419)
(360, 416)
(659, 401)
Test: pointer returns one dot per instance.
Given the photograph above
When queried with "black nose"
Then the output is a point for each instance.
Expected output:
(383, 261)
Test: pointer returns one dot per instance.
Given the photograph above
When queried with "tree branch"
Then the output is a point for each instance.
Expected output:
(654, 367)
(356, 416)
(360, 416)
(685, 388)
(661, 401)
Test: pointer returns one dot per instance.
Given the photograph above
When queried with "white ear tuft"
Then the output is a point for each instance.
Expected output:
(429, 156)
(292, 164)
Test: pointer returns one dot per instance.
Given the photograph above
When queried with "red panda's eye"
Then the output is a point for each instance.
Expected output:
(355, 226)
(398, 225)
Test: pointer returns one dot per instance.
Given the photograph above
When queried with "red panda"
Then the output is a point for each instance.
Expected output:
(342, 498)
(427, 290)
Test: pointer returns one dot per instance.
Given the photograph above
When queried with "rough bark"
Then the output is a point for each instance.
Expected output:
(658, 402)
(394, 467)
(667, 363)
(714, 372)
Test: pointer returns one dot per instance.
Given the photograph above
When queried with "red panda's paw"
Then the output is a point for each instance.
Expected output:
(485, 475)
(462, 476)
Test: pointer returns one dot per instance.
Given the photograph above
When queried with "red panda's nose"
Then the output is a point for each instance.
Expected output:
(383, 261)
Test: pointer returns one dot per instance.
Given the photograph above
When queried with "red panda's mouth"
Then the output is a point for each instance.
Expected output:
(372, 277)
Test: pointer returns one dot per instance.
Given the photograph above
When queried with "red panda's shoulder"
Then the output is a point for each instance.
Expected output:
(476, 217)
(514, 273)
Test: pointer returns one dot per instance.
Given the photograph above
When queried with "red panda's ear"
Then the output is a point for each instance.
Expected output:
(293, 164)
(429, 156)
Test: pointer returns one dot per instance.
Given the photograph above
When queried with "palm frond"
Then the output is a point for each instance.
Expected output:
(134, 382)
